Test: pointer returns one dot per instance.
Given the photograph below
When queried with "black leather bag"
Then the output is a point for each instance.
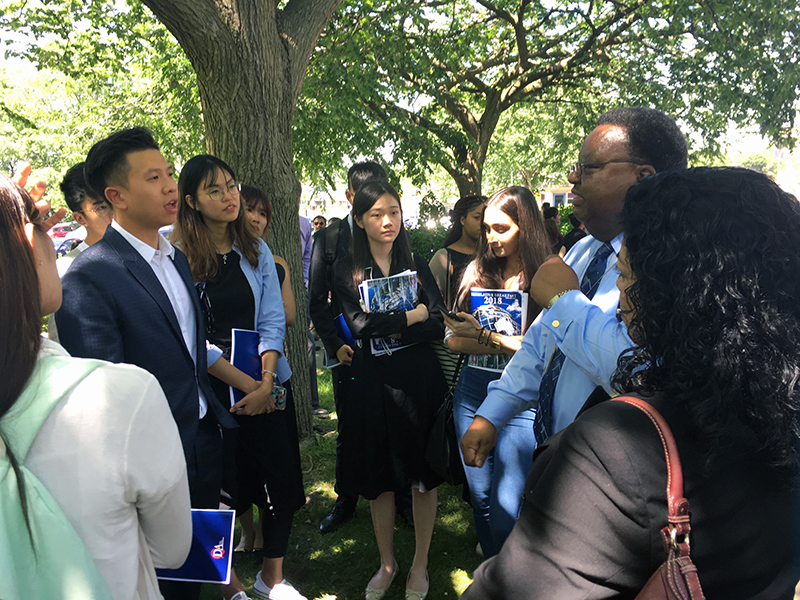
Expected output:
(441, 452)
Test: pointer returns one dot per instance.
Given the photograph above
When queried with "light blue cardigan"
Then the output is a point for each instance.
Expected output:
(270, 318)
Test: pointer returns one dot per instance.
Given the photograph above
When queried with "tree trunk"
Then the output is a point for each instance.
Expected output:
(250, 59)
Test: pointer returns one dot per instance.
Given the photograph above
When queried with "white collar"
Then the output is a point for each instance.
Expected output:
(145, 250)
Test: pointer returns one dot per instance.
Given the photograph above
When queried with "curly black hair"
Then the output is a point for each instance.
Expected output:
(715, 253)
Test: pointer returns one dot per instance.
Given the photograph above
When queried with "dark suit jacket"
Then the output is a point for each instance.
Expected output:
(115, 309)
(595, 503)
(320, 284)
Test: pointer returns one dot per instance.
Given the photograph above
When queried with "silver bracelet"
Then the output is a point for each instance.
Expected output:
(273, 373)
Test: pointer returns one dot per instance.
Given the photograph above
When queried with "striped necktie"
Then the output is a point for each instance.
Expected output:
(543, 423)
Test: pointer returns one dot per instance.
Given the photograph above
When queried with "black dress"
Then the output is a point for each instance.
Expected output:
(390, 401)
(267, 454)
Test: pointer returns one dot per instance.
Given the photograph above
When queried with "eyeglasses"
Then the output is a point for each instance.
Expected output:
(205, 306)
(218, 195)
(101, 209)
(594, 167)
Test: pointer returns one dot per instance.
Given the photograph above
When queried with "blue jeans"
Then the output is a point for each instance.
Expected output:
(496, 488)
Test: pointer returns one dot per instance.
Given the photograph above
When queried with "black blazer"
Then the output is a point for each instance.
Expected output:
(115, 309)
(595, 503)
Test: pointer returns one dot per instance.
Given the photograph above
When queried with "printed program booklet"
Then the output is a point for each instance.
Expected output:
(245, 357)
(502, 311)
(396, 293)
(345, 335)
(209, 559)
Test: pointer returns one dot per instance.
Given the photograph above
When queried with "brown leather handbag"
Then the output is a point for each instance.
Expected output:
(676, 578)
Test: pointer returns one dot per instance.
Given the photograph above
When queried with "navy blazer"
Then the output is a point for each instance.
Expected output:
(115, 309)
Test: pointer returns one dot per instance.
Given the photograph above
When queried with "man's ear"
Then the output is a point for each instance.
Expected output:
(115, 198)
(349, 195)
(79, 218)
(644, 171)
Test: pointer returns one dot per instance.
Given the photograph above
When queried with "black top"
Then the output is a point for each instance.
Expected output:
(595, 504)
(458, 261)
(232, 302)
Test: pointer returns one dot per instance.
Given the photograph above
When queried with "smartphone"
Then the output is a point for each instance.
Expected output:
(450, 314)
(279, 396)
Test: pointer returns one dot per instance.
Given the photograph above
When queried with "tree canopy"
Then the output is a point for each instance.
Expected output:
(432, 81)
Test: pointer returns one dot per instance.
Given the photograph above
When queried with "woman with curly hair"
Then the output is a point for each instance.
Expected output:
(710, 294)
(459, 245)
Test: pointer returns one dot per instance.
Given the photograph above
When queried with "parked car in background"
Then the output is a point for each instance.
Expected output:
(69, 241)
(60, 230)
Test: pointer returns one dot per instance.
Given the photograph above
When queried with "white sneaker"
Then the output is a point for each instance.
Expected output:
(281, 591)
(240, 596)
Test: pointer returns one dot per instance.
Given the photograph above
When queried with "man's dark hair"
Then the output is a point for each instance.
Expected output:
(74, 188)
(550, 212)
(653, 137)
(107, 161)
(362, 172)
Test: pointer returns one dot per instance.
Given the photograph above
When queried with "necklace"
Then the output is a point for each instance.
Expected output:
(225, 259)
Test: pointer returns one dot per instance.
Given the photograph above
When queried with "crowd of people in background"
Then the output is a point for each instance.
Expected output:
(676, 286)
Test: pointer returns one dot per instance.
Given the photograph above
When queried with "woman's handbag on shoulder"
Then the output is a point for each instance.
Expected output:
(676, 578)
(441, 452)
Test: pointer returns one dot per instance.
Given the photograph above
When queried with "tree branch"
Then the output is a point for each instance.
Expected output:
(301, 24)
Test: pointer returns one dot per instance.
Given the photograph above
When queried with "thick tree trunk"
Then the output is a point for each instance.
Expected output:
(250, 59)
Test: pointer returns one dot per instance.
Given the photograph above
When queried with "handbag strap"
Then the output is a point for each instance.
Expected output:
(676, 534)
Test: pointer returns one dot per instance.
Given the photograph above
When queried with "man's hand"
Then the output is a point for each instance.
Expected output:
(478, 441)
(552, 278)
(345, 355)
(36, 192)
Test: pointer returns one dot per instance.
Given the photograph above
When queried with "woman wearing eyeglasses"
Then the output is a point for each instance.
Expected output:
(241, 291)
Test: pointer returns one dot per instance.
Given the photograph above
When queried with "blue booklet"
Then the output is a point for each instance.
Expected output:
(344, 334)
(396, 293)
(245, 357)
(502, 311)
(210, 557)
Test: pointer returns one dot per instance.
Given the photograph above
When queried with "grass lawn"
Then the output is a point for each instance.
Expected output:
(339, 565)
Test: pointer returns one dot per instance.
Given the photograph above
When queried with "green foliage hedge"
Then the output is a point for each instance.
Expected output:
(426, 242)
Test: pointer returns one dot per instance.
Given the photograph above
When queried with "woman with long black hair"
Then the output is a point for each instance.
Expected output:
(512, 245)
(391, 398)
(240, 282)
(710, 295)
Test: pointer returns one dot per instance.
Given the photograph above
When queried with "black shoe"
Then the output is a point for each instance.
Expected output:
(407, 515)
(340, 515)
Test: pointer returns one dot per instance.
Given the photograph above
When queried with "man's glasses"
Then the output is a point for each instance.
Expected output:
(101, 209)
(218, 194)
(582, 168)
(205, 306)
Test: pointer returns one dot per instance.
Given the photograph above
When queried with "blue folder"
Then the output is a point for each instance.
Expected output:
(210, 558)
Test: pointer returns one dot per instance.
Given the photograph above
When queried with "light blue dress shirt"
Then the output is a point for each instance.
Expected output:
(586, 331)
(270, 318)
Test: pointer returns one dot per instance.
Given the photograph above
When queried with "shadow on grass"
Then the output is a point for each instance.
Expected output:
(339, 565)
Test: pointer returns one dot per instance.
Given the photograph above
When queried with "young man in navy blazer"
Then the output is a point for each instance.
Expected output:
(130, 298)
